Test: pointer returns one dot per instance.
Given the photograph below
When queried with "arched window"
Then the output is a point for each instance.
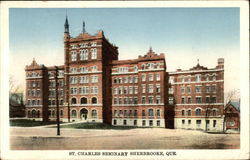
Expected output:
(183, 112)
(93, 53)
(158, 113)
(38, 114)
(81, 55)
(93, 113)
(198, 112)
(143, 113)
(150, 112)
(94, 100)
(73, 101)
(73, 113)
(33, 114)
(214, 112)
(84, 100)
(53, 113)
(189, 113)
(61, 113)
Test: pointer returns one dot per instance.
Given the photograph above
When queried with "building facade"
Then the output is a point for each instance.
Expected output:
(232, 116)
(94, 86)
(197, 95)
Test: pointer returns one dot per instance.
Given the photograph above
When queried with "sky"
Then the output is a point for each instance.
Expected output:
(183, 34)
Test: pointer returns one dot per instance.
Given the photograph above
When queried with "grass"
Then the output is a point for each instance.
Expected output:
(29, 123)
(96, 126)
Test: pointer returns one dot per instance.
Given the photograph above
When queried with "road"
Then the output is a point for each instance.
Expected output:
(31, 138)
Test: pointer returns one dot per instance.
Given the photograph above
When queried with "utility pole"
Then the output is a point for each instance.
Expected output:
(57, 106)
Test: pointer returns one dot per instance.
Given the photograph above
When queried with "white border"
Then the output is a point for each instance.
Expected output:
(242, 153)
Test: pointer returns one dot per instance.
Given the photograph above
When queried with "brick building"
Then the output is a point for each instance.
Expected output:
(93, 85)
(197, 95)
(232, 116)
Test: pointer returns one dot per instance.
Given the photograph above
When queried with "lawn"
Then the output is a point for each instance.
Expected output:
(29, 123)
(96, 126)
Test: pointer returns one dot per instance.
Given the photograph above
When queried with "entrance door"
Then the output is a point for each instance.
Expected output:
(207, 124)
(84, 114)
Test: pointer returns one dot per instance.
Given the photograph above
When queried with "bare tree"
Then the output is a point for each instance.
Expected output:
(232, 95)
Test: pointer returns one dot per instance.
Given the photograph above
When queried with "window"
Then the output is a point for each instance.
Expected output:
(197, 78)
(214, 123)
(136, 79)
(84, 100)
(115, 112)
(198, 112)
(214, 112)
(115, 100)
(143, 88)
(183, 121)
(189, 78)
(125, 100)
(158, 113)
(198, 89)
(130, 90)
(120, 101)
(120, 90)
(183, 112)
(115, 90)
(130, 79)
(158, 123)
(198, 123)
(182, 90)
(73, 56)
(150, 122)
(208, 89)
(158, 77)
(189, 90)
(207, 99)
(94, 100)
(213, 88)
(124, 122)
(115, 80)
(135, 100)
(182, 100)
(189, 122)
(171, 80)
(150, 100)
(84, 54)
(94, 79)
(158, 99)
(143, 77)
(125, 90)
(158, 88)
(125, 79)
(150, 77)
(130, 113)
(61, 113)
(150, 88)
(171, 100)
(214, 77)
(120, 113)
(182, 79)
(198, 100)
(93, 53)
(189, 100)
(93, 114)
(73, 101)
(73, 113)
(143, 113)
(115, 122)
(189, 112)
(135, 122)
(135, 113)
(207, 77)
(136, 90)
(170, 90)
(94, 68)
(143, 123)
(151, 112)
(130, 101)
(143, 100)
(120, 80)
